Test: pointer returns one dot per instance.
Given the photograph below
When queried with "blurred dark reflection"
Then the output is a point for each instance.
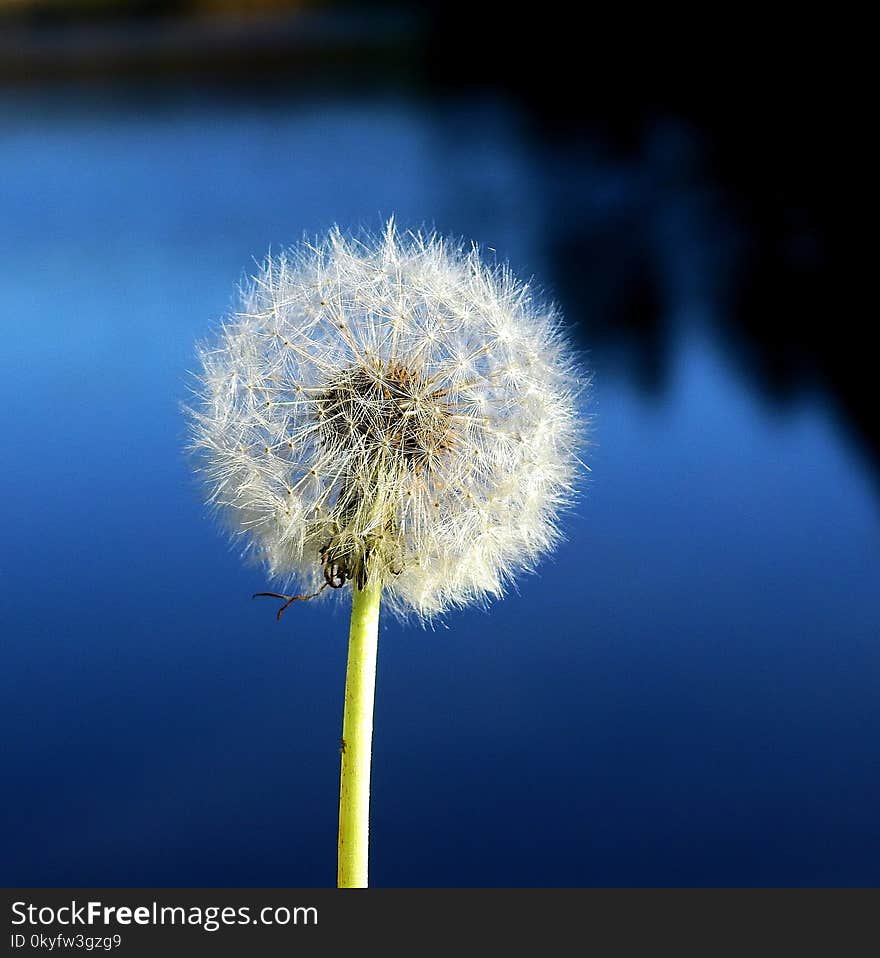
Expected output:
(759, 163)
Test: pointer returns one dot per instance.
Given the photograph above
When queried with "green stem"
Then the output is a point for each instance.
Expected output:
(357, 737)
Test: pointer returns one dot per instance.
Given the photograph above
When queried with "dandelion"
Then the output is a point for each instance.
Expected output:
(390, 415)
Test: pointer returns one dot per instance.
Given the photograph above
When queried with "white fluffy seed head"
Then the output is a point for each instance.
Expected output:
(390, 408)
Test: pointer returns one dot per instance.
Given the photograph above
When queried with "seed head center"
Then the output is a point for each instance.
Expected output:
(388, 411)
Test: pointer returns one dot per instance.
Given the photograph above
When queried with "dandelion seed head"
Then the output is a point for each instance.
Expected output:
(390, 407)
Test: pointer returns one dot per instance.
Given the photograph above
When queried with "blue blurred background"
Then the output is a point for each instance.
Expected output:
(686, 694)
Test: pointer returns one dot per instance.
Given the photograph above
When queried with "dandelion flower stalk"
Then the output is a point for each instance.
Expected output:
(387, 414)
(357, 738)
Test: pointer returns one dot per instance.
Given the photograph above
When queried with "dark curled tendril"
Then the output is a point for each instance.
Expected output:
(289, 599)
